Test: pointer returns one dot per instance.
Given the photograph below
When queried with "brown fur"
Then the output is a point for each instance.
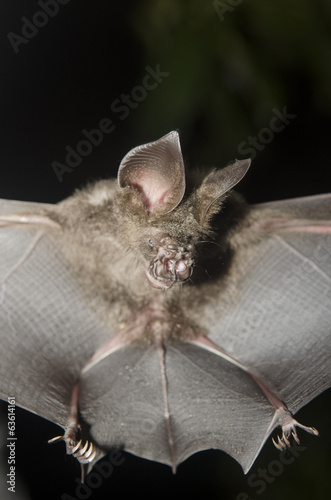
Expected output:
(110, 236)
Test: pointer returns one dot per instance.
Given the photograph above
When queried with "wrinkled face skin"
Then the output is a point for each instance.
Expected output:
(152, 180)
(171, 264)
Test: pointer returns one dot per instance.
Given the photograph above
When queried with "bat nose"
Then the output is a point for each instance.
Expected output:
(178, 270)
(184, 269)
(173, 264)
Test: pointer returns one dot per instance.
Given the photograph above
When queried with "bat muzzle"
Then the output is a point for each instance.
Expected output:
(173, 264)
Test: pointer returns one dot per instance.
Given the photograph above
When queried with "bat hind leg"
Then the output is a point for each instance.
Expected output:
(83, 450)
(289, 428)
(282, 416)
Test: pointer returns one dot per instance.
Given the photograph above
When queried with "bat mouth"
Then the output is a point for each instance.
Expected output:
(172, 265)
(158, 283)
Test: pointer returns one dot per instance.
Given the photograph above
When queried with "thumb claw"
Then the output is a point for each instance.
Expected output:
(55, 439)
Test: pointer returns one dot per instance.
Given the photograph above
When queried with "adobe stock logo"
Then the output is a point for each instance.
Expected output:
(277, 124)
(30, 28)
(101, 471)
(121, 109)
(258, 481)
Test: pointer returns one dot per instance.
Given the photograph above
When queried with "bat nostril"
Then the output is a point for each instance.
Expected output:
(169, 265)
(181, 266)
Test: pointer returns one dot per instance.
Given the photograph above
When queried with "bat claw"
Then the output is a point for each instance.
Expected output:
(81, 451)
(89, 451)
(289, 430)
(55, 439)
(286, 441)
(297, 440)
(277, 445)
(85, 454)
(72, 447)
(89, 456)
(84, 451)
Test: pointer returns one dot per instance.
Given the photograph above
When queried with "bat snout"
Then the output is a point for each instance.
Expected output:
(173, 264)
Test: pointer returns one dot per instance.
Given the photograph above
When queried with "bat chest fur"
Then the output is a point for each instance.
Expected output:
(159, 322)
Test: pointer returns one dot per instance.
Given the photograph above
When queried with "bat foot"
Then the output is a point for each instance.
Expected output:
(289, 430)
(83, 450)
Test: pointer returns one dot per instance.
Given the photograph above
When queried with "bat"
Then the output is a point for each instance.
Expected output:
(163, 315)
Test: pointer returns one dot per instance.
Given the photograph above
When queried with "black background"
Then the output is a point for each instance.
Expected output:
(226, 75)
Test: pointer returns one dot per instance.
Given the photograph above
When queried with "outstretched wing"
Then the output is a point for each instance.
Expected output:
(271, 314)
(280, 320)
(46, 331)
(274, 314)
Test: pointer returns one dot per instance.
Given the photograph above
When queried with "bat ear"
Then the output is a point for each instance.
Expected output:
(156, 171)
(215, 185)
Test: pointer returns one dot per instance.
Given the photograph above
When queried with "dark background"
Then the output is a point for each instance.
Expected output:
(227, 72)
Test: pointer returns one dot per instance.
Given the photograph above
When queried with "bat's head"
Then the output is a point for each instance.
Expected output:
(169, 224)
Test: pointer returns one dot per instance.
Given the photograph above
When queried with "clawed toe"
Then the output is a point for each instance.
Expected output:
(289, 431)
(282, 442)
(84, 451)
(84, 454)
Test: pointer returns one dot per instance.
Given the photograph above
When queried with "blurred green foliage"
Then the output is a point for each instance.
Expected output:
(228, 72)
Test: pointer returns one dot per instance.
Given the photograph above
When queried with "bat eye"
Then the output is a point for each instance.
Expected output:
(150, 243)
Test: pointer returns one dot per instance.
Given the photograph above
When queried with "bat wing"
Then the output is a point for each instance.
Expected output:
(280, 320)
(207, 403)
(46, 331)
(271, 314)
